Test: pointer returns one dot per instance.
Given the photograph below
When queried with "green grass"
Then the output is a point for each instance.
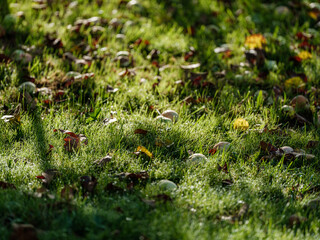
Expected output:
(274, 189)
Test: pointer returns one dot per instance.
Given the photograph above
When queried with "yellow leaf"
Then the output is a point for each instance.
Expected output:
(294, 82)
(255, 41)
(144, 150)
(314, 14)
(305, 55)
(241, 124)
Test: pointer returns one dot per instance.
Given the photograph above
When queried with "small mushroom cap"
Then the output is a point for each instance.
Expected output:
(173, 115)
(29, 87)
(163, 119)
(197, 158)
(221, 146)
(300, 103)
(167, 185)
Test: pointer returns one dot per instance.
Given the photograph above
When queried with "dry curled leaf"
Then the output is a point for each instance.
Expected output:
(135, 176)
(238, 216)
(224, 168)
(68, 192)
(88, 183)
(5, 185)
(72, 141)
(267, 147)
(312, 144)
(144, 150)
(103, 161)
(48, 175)
(296, 220)
(140, 131)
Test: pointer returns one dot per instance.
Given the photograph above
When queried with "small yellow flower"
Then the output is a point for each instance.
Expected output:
(294, 82)
(255, 41)
(305, 55)
(241, 124)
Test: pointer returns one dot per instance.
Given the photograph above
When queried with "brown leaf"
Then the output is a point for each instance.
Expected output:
(163, 197)
(223, 168)
(48, 175)
(140, 131)
(135, 176)
(113, 188)
(296, 220)
(73, 141)
(151, 203)
(237, 217)
(312, 144)
(5, 185)
(23, 232)
(68, 192)
(103, 161)
(267, 147)
(88, 183)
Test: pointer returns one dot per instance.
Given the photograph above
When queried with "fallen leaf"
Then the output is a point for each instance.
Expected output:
(255, 41)
(135, 176)
(88, 183)
(240, 124)
(5, 185)
(111, 187)
(23, 232)
(48, 175)
(68, 192)
(72, 141)
(296, 220)
(267, 147)
(140, 131)
(223, 168)
(144, 150)
(237, 217)
(312, 144)
(103, 161)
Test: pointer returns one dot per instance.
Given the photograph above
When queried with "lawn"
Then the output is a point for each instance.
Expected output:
(89, 150)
